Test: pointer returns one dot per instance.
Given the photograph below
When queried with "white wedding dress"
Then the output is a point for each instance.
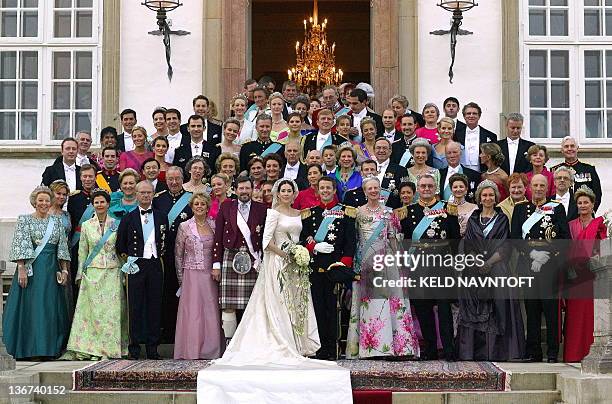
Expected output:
(265, 361)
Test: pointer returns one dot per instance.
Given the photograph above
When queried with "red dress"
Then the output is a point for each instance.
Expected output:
(579, 313)
(308, 198)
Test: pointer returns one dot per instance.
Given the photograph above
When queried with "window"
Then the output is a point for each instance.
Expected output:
(567, 69)
(48, 69)
(18, 18)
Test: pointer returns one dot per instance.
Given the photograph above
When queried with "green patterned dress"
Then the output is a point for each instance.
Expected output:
(35, 321)
(99, 328)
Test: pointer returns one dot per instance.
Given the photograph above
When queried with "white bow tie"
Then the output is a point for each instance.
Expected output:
(516, 142)
(70, 168)
(468, 130)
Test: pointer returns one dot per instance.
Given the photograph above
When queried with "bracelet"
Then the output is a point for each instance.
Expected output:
(65, 271)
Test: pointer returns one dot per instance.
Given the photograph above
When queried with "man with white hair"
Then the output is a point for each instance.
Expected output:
(564, 180)
(453, 157)
(585, 174)
(514, 147)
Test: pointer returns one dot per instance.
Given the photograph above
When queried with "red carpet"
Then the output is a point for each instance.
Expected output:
(372, 397)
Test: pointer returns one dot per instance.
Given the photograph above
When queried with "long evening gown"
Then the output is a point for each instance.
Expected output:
(265, 360)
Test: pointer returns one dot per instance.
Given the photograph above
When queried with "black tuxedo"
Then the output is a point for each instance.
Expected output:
(572, 208)
(121, 142)
(310, 141)
(56, 172)
(302, 177)
(459, 126)
(521, 164)
(213, 132)
(144, 287)
(486, 136)
(392, 178)
(473, 181)
(182, 155)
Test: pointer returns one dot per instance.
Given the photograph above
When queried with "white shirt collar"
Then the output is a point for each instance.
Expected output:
(319, 134)
(362, 114)
(510, 141)
(71, 167)
(175, 136)
(475, 130)
(384, 164)
(564, 197)
(296, 166)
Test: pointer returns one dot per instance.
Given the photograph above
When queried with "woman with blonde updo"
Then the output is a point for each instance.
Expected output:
(491, 157)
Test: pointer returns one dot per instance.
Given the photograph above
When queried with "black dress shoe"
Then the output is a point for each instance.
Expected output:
(323, 355)
(552, 360)
(154, 356)
(133, 357)
(533, 359)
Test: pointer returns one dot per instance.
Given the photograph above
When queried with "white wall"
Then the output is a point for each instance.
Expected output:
(478, 66)
(144, 83)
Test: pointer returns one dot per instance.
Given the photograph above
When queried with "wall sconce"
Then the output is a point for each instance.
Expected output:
(162, 8)
(457, 7)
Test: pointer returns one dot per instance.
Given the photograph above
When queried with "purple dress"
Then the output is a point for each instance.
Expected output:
(198, 322)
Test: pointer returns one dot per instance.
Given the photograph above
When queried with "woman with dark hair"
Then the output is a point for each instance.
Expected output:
(108, 138)
(431, 113)
(458, 184)
(160, 148)
(301, 105)
(272, 164)
(406, 192)
(309, 197)
(231, 132)
(586, 231)
(294, 130)
(257, 172)
(365, 149)
(347, 176)
(490, 324)
(99, 328)
(492, 158)
(35, 320)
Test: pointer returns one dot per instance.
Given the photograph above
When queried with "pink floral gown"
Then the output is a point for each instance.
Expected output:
(381, 320)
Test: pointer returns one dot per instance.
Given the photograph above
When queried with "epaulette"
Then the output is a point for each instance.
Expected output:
(521, 202)
(305, 213)
(159, 193)
(350, 211)
(452, 209)
(401, 213)
(75, 192)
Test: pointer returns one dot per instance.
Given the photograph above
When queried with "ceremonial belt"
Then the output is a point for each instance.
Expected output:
(112, 228)
(535, 217)
(327, 142)
(246, 233)
(405, 158)
(130, 267)
(425, 222)
(103, 183)
(273, 148)
(41, 246)
(368, 244)
(87, 214)
(178, 207)
(324, 226)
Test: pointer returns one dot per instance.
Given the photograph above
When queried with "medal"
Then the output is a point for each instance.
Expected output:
(241, 264)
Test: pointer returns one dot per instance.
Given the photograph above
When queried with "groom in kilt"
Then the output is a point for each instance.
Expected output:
(237, 252)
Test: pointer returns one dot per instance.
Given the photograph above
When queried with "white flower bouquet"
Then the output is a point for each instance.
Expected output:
(294, 282)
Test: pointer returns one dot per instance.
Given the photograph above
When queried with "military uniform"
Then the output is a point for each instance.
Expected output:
(340, 234)
(585, 175)
(553, 225)
(256, 148)
(444, 226)
(164, 201)
(78, 202)
(108, 180)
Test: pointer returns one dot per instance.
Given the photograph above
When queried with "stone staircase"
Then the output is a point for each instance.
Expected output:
(530, 384)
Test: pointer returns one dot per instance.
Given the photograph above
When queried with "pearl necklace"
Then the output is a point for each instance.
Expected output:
(373, 210)
(493, 172)
(488, 221)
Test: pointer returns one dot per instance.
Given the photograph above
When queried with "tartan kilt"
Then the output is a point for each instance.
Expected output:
(235, 288)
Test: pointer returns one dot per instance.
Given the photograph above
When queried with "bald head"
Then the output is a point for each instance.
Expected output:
(539, 187)
(453, 154)
(144, 194)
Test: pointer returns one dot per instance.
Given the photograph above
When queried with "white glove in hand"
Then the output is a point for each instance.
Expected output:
(539, 259)
(324, 248)
(536, 266)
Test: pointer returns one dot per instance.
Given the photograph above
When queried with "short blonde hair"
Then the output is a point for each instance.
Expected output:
(227, 156)
(59, 184)
(127, 172)
(536, 148)
(201, 196)
(41, 189)
(226, 180)
(140, 128)
(448, 120)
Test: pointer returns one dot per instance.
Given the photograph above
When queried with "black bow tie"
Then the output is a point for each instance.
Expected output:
(145, 211)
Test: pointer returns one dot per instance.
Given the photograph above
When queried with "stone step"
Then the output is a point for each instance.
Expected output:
(509, 397)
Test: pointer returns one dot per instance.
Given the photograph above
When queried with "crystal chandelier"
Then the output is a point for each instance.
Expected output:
(315, 60)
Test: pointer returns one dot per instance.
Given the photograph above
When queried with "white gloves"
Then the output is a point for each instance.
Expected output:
(324, 248)
(539, 258)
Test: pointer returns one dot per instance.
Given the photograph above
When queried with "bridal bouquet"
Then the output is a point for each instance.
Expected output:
(295, 283)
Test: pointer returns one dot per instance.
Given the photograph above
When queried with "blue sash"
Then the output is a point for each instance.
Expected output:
(368, 244)
(535, 217)
(327, 142)
(112, 228)
(425, 222)
(489, 227)
(405, 158)
(130, 267)
(446, 194)
(178, 207)
(41, 246)
(89, 211)
(324, 226)
(343, 111)
(273, 148)
(384, 194)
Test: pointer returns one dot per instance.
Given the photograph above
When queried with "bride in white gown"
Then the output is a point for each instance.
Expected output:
(266, 338)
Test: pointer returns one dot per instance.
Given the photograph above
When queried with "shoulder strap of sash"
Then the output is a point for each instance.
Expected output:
(41, 246)
(405, 158)
(273, 148)
(425, 222)
(324, 226)
(112, 228)
(102, 183)
(368, 244)
(535, 217)
(178, 207)
(246, 233)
